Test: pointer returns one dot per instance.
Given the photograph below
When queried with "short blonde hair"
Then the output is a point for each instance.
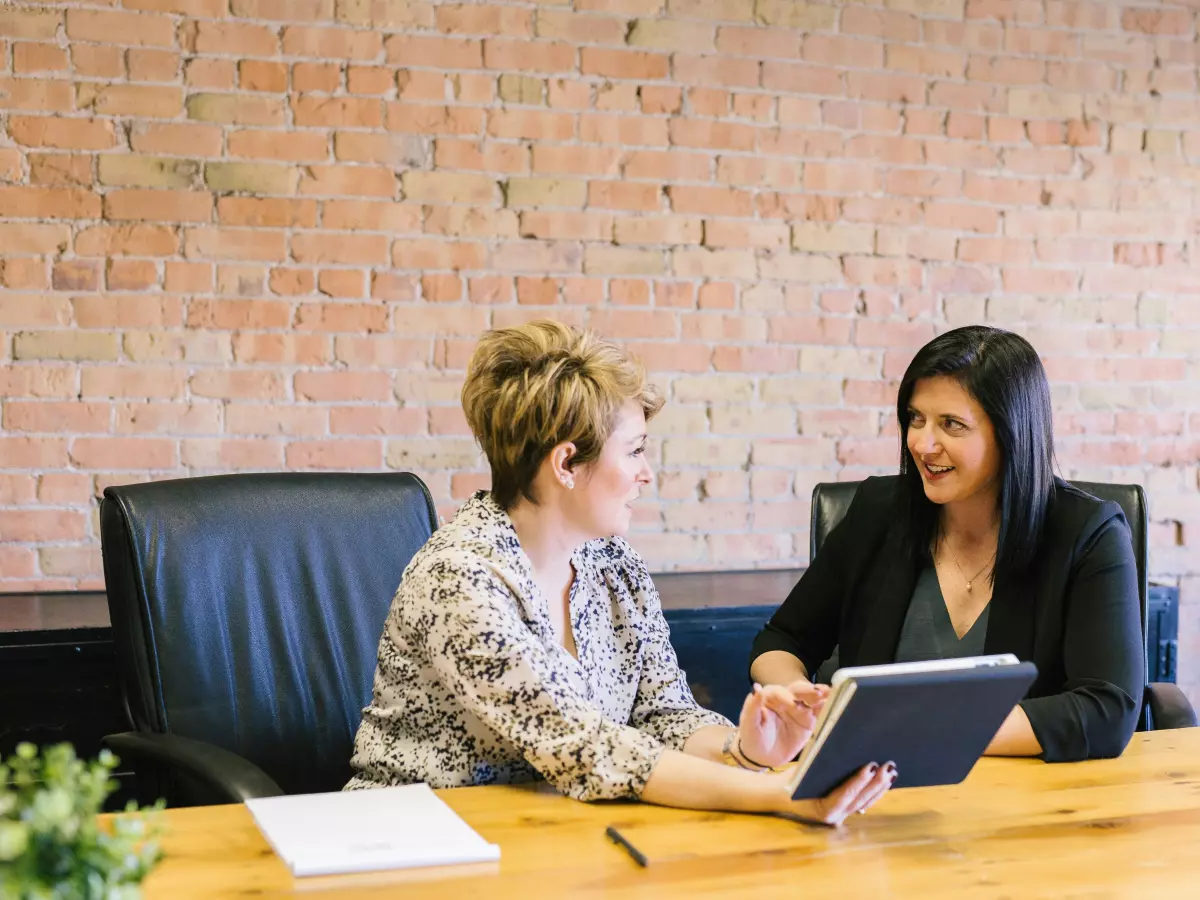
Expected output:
(538, 385)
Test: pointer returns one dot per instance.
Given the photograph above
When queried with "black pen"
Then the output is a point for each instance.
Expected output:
(617, 838)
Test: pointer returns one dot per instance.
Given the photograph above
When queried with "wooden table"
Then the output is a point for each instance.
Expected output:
(1128, 827)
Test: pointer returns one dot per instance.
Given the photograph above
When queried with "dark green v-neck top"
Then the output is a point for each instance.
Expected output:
(928, 633)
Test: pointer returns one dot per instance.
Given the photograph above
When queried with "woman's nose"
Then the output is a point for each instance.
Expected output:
(923, 441)
(646, 475)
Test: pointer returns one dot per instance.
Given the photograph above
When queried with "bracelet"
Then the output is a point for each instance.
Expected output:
(735, 759)
(742, 753)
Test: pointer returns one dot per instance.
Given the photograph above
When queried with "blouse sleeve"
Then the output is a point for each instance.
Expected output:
(1096, 713)
(665, 707)
(481, 650)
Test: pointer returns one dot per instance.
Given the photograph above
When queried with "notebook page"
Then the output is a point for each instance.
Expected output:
(365, 830)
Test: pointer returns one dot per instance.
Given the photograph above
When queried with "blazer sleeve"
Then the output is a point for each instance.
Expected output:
(1103, 655)
(806, 624)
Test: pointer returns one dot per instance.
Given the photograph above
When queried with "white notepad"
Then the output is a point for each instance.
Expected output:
(366, 830)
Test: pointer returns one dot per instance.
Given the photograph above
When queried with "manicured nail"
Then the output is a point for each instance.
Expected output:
(873, 768)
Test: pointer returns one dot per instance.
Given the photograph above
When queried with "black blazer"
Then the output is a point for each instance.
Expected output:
(1074, 613)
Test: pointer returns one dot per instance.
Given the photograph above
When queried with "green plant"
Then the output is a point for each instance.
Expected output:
(52, 847)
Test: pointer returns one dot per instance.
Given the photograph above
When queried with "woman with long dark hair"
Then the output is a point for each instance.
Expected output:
(977, 547)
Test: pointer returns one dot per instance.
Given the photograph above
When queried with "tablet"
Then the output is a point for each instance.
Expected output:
(933, 719)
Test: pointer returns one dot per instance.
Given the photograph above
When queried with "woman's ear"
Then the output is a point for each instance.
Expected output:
(560, 464)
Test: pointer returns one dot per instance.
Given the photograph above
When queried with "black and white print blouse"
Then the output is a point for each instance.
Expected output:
(472, 686)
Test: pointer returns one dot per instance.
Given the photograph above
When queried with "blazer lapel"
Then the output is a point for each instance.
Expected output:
(887, 590)
(1011, 620)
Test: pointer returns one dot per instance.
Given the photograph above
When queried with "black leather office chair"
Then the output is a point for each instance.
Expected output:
(246, 614)
(1164, 705)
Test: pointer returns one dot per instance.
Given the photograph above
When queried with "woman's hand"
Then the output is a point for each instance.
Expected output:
(857, 794)
(777, 721)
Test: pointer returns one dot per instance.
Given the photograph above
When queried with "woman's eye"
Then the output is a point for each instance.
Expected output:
(954, 425)
(914, 418)
(639, 451)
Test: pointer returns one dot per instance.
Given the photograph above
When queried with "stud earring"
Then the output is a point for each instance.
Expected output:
(569, 483)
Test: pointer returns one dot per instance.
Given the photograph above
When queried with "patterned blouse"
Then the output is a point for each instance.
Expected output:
(472, 686)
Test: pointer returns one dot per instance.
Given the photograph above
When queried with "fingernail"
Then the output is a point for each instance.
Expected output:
(890, 766)
(873, 768)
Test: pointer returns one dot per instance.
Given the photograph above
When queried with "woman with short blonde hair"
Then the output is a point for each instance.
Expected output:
(526, 639)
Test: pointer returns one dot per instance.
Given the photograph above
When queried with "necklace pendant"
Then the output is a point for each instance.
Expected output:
(968, 587)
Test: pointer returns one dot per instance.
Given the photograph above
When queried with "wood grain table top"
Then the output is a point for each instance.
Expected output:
(1128, 827)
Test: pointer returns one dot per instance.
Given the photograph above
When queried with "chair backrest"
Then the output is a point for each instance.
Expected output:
(830, 501)
(247, 609)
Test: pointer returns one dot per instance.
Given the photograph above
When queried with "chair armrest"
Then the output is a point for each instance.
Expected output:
(1169, 708)
(231, 778)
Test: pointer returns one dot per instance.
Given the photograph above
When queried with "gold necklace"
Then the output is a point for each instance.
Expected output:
(964, 574)
(958, 566)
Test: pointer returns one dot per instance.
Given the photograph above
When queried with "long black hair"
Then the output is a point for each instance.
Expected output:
(1004, 375)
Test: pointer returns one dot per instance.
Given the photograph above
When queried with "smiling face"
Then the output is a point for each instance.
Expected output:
(952, 441)
(606, 487)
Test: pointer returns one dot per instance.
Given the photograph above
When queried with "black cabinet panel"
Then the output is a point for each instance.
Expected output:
(713, 646)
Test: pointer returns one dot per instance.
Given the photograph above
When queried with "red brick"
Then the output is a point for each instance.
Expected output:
(377, 421)
(631, 64)
(372, 216)
(483, 19)
(531, 124)
(43, 525)
(279, 145)
(532, 56)
(132, 29)
(158, 206)
(110, 310)
(716, 201)
(76, 275)
(579, 28)
(1158, 21)
(131, 275)
(600, 128)
(567, 225)
(348, 181)
(575, 160)
(423, 118)
(45, 417)
(64, 488)
(213, 74)
(62, 133)
(176, 139)
(24, 274)
(29, 58)
(234, 37)
(97, 61)
(624, 195)
(127, 240)
(224, 454)
(261, 75)
(373, 80)
(386, 14)
(324, 77)
(439, 52)
(153, 65)
(336, 112)
(36, 94)
(123, 453)
(760, 43)
(267, 212)
(432, 254)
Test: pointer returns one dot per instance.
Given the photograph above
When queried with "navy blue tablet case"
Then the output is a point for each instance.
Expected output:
(933, 725)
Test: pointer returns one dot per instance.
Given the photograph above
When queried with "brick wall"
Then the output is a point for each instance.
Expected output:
(262, 234)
